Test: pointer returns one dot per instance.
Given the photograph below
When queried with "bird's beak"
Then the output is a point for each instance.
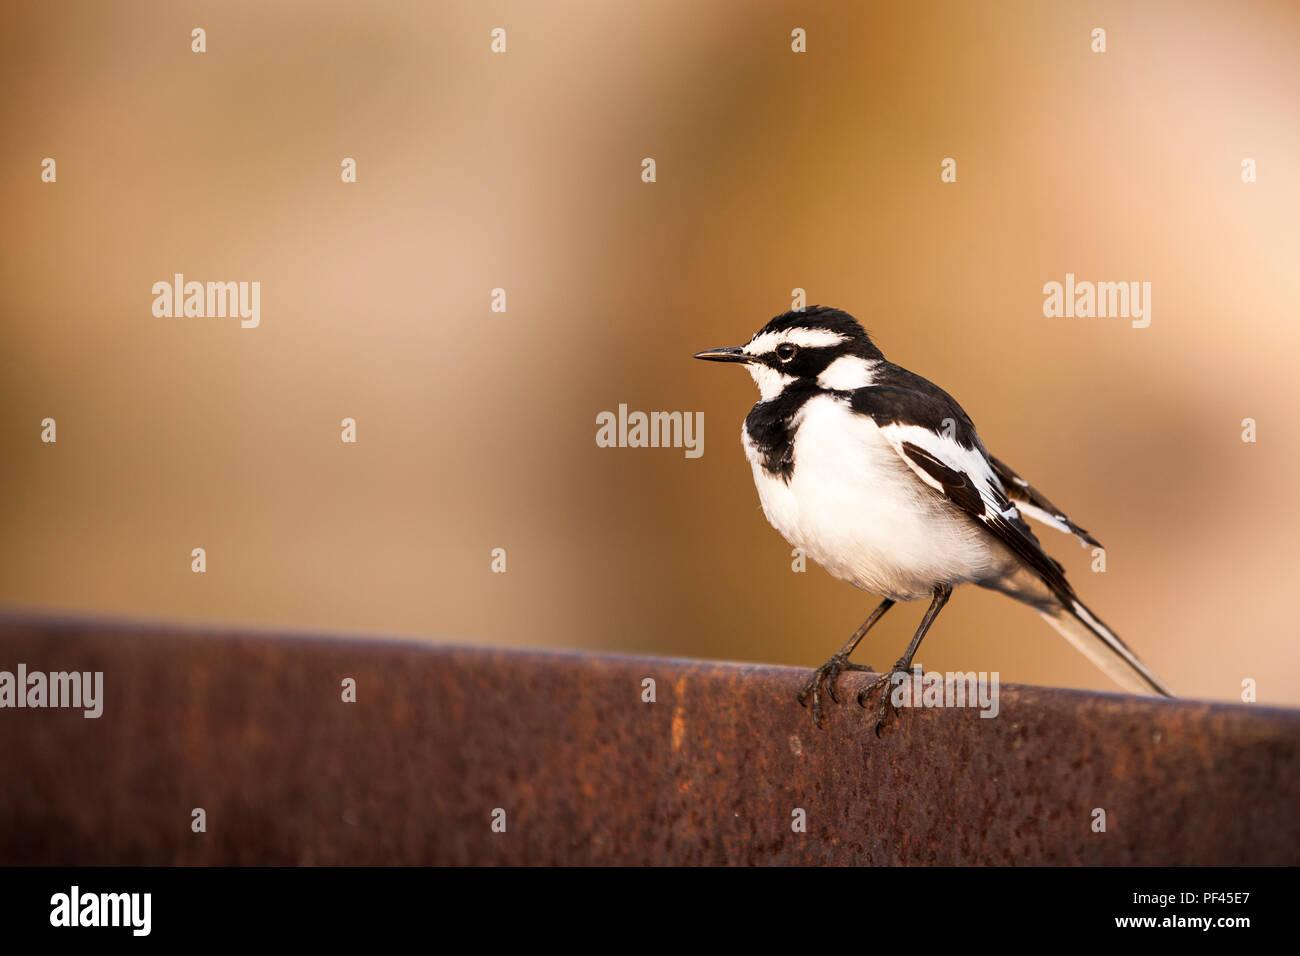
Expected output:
(731, 354)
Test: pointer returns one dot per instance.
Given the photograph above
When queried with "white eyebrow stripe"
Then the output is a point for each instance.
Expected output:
(804, 338)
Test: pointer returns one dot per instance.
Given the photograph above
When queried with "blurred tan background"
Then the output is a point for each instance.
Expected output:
(522, 170)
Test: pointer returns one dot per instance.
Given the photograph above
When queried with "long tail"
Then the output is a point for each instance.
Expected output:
(1100, 645)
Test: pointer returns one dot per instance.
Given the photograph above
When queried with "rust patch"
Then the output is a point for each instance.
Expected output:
(679, 727)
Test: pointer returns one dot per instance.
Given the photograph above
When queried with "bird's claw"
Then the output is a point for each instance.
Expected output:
(825, 678)
(885, 684)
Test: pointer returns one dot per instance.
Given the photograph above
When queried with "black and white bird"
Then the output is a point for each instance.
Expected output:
(879, 476)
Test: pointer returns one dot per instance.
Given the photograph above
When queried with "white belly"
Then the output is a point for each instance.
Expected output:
(856, 508)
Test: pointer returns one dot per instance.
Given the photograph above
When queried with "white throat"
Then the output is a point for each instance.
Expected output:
(770, 382)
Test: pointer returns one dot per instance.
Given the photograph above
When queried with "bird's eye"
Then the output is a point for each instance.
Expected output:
(785, 351)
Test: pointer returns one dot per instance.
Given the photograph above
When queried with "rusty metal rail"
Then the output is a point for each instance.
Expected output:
(253, 730)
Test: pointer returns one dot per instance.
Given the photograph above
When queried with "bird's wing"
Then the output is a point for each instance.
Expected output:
(1034, 503)
(936, 439)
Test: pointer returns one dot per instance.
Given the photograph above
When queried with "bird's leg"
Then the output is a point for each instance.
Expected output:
(825, 676)
(904, 665)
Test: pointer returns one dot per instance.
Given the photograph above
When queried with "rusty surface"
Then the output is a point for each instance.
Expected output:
(253, 730)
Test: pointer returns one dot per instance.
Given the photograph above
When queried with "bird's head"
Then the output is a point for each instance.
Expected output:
(817, 344)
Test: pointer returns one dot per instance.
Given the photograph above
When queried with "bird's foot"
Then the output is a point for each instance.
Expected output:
(884, 684)
(823, 680)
